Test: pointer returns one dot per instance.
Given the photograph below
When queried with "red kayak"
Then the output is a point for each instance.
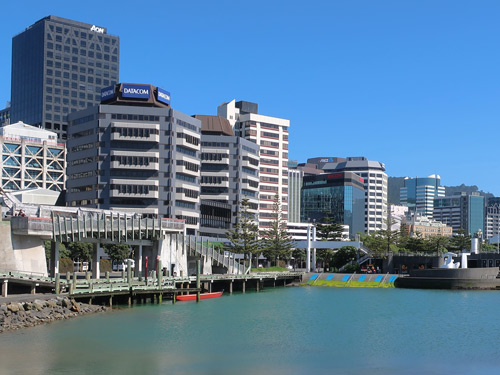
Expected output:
(192, 297)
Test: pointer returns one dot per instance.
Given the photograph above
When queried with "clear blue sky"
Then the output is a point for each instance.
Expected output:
(413, 84)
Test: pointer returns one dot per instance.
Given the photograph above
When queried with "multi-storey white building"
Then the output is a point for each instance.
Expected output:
(375, 183)
(229, 173)
(271, 134)
(31, 158)
(135, 153)
(492, 219)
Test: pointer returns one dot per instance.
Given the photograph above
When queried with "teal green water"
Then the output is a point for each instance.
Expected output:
(278, 331)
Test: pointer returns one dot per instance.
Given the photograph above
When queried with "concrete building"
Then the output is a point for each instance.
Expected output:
(229, 173)
(298, 231)
(60, 66)
(5, 115)
(492, 218)
(31, 158)
(375, 184)
(271, 134)
(337, 195)
(135, 153)
(419, 193)
(427, 227)
(397, 215)
(461, 211)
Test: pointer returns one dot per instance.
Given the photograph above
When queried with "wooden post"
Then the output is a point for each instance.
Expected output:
(58, 285)
(160, 298)
(257, 287)
(107, 276)
(160, 273)
(173, 299)
(231, 287)
(243, 286)
(74, 280)
(33, 288)
(129, 273)
(198, 284)
(111, 301)
(87, 276)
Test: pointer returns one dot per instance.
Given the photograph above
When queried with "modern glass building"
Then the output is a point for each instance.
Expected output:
(419, 194)
(338, 195)
(59, 66)
(461, 211)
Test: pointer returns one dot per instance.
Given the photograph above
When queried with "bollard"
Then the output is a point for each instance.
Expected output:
(107, 276)
(159, 273)
(58, 285)
(74, 280)
(198, 285)
(123, 274)
(129, 273)
(68, 277)
(87, 276)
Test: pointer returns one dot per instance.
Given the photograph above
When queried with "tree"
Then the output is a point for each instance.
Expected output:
(244, 237)
(437, 244)
(275, 241)
(328, 230)
(343, 256)
(81, 251)
(460, 241)
(118, 252)
(63, 252)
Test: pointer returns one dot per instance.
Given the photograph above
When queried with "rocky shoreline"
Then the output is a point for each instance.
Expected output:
(16, 315)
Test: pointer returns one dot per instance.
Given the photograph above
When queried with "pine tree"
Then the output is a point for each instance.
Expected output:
(244, 237)
(276, 242)
(328, 230)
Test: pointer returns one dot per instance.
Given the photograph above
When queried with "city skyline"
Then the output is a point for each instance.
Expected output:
(412, 85)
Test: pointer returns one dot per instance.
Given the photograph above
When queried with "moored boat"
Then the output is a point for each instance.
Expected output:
(192, 297)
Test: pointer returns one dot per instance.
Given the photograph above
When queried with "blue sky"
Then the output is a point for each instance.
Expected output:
(413, 84)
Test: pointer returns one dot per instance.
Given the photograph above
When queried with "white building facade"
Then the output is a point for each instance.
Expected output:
(271, 134)
(31, 158)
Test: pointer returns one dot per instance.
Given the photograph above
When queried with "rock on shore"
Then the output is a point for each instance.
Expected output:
(15, 315)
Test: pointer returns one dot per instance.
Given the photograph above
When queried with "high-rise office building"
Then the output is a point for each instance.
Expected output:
(229, 173)
(271, 134)
(492, 218)
(340, 196)
(461, 211)
(375, 183)
(135, 153)
(419, 193)
(60, 66)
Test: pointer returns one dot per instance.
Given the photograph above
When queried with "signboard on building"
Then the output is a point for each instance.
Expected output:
(163, 96)
(107, 93)
(136, 91)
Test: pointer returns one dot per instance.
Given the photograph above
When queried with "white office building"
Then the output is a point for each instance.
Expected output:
(271, 134)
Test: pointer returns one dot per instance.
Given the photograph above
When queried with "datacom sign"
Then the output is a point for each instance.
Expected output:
(136, 91)
(163, 96)
(107, 93)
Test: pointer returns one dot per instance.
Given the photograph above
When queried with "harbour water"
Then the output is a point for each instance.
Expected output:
(309, 330)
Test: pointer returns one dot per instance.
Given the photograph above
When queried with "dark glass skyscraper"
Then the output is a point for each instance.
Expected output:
(338, 195)
(60, 66)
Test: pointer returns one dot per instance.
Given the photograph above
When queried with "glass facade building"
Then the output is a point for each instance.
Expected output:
(59, 66)
(419, 194)
(339, 195)
(461, 211)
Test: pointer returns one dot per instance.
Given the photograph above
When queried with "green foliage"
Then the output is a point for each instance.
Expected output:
(244, 237)
(276, 242)
(63, 252)
(460, 241)
(343, 256)
(118, 252)
(489, 247)
(81, 251)
(351, 268)
(328, 230)
(270, 269)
